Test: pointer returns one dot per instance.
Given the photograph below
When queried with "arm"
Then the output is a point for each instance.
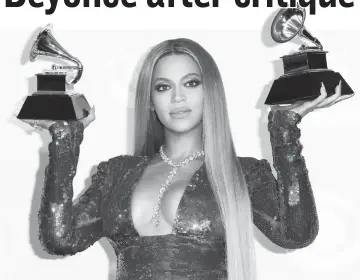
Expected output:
(64, 228)
(284, 209)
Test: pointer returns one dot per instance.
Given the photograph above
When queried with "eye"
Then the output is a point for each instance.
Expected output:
(162, 87)
(192, 83)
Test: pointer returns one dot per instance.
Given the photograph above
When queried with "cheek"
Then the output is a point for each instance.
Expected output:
(196, 100)
(198, 112)
(161, 103)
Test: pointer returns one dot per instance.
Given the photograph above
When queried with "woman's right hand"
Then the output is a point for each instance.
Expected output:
(45, 124)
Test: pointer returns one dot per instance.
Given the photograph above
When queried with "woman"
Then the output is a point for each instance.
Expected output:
(183, 206)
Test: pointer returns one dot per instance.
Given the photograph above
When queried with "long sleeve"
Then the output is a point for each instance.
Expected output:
(284, 208)
(64, 228)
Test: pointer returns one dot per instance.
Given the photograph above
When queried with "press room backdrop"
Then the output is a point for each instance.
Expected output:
(110, 44)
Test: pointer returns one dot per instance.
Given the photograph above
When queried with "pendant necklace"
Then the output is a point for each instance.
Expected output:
(164, 187)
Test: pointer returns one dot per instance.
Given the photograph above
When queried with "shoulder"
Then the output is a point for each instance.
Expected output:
(115, 167)
(251, 164)
(258, 173)
(124, 161)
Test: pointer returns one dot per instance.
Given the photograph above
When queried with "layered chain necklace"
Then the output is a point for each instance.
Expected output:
(164, 187)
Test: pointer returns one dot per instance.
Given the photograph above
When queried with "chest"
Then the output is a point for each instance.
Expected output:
(151, 196)
(188, 207)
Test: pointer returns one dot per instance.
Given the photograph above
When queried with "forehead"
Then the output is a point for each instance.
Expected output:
(175, 66)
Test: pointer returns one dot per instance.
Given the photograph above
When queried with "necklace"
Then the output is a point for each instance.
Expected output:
(164, 187)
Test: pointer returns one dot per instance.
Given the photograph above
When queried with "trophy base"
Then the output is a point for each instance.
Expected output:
(305, 86)
(54, 106)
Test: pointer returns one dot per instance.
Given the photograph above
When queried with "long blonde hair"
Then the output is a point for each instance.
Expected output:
(222, 166)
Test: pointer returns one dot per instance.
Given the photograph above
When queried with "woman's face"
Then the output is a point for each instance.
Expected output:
(177, 93)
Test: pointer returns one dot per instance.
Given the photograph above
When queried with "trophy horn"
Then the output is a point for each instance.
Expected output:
(45, 44)
(288, 23)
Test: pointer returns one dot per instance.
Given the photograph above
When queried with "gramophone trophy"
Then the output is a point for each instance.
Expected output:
(54, 99)
(304, 70)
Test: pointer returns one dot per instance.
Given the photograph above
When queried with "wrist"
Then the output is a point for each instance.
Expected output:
(284, 118)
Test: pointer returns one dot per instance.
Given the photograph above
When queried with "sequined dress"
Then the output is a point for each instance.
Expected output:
(283, 207)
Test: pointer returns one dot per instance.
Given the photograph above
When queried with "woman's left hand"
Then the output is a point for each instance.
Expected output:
(305, 107)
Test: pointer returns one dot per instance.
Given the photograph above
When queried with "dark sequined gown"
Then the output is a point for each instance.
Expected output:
(283, 208)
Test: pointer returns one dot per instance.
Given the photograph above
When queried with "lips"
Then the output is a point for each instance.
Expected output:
(180, 110)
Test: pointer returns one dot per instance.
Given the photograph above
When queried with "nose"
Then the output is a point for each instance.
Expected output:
(178, 95)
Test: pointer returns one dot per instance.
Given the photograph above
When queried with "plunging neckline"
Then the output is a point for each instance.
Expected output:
(144, 163)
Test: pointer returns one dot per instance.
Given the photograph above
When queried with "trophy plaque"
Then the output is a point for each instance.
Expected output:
(54, 98)
(305, 69)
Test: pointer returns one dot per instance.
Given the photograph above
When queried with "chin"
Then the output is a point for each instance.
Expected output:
(183, 126)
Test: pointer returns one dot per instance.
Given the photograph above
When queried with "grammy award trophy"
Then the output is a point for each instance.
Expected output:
(305, 69)
(54, 98)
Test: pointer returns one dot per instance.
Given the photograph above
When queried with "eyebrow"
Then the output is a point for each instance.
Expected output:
(191, 74)
(186, 76)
